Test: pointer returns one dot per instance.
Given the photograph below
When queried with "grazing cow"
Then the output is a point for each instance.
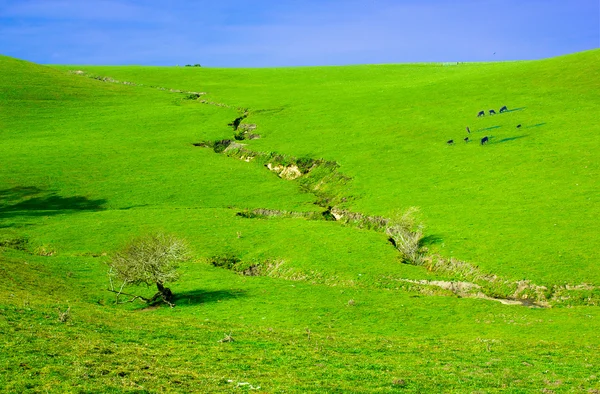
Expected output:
(484, 140)
(518, 126)
(503, 109)
(468, 130)
(492, 112)
(481, 113)
(466, 139)
(450, 142)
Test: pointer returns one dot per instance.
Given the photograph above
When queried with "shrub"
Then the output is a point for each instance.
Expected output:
(406, 233)
(305, 164)
(236, 122)
(220, 146)
(226, 261)
(248, 214)
(328, 215)
(240, 135)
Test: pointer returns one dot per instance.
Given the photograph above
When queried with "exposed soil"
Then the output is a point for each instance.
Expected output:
(472, 290)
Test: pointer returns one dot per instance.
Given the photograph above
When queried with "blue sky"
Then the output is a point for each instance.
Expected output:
(260, 33)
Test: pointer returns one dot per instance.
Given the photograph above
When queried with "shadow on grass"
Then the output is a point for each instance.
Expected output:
(509, 139)
(488, 128)
(31, 201)
(535, 125)
(514, 109)
(195, 297)
(270, 111)
(433, 239)
(132, 207)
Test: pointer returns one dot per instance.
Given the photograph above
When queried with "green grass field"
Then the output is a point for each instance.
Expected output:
(89, 164)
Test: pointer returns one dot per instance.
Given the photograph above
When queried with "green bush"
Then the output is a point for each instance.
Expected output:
(227, 261)
(240, 135)
(305, 164)
(220, 146)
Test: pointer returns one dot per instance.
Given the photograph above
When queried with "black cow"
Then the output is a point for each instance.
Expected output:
(484, 140)
(450, 142)
(481, 113)
(466, 139)
(468, 130)
(503, 109)
(518, 126)
(492, 112)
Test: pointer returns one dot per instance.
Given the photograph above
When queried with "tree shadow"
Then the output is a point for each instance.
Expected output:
(19, 192)
(32, 201)
(510, 139)
(195, 297)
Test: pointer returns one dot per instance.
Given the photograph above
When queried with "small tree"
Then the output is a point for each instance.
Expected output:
(151, 260)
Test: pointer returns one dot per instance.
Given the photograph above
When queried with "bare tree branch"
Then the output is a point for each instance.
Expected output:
(151, 260)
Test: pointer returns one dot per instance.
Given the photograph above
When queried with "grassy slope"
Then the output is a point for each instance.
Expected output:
(432, 344)
(523, 204)
(87, 164)
(130, 154)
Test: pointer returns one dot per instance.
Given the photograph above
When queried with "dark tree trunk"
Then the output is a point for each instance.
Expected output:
(165, 292)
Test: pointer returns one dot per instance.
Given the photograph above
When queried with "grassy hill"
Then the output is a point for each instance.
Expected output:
(87, 163)
(524, 203)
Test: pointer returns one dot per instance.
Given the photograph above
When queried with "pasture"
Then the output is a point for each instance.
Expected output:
(89, 162)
